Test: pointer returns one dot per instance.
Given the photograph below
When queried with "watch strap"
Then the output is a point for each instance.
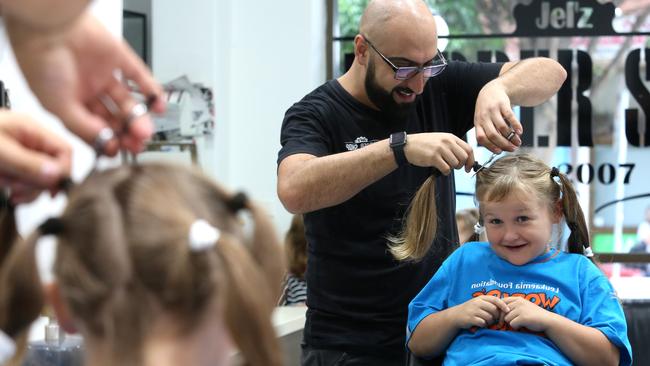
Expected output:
(397, 142)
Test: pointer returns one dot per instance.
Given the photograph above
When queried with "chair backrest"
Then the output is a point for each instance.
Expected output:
(637, 314)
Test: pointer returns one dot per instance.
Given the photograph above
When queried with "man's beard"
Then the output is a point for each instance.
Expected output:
(384, 100)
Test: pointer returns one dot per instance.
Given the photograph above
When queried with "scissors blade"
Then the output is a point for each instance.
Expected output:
(488, 161)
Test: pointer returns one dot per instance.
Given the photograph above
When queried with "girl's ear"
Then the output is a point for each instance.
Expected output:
(61, 311)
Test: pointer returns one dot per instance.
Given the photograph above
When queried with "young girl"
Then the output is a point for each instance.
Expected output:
(517, 299)
(295, 250)
(153, 268)
(466, 220)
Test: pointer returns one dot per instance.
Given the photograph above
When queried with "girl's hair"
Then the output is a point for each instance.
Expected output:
(526, 174)
(21, 297)
(123, 257)
(420, 225)
(295, 247)
(511, 174)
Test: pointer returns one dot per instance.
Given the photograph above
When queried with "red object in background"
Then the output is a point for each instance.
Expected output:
(608, 268)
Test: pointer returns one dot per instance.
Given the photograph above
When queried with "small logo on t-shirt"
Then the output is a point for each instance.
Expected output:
(358, 143)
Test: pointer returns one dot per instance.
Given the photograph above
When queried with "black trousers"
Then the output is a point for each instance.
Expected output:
(325, 357)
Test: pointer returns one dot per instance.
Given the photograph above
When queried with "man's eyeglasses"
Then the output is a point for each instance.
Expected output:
(407, 72)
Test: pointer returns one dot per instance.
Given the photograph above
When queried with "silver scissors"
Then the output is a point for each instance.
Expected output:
(478, 167)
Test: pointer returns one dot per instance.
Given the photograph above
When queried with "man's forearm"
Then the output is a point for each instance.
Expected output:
(307, 183)
(532, 81)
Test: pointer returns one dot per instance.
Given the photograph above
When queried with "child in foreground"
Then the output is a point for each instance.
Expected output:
(153, 268)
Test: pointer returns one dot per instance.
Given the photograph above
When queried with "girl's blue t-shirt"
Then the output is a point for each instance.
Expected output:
(567, 284)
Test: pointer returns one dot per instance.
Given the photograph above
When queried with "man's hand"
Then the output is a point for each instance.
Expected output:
(31, 157)
(72, 72)
(494, 119)
(444, 151)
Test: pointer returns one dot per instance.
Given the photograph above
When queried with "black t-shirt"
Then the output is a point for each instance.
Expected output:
(357, 293)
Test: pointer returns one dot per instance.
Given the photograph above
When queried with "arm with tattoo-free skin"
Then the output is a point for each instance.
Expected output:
(307, 183)
(46, 17)
(526, 83)
(31, 157)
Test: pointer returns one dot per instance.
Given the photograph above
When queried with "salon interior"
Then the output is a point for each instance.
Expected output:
(231, 69)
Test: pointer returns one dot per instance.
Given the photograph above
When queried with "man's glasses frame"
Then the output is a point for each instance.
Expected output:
(407, 72)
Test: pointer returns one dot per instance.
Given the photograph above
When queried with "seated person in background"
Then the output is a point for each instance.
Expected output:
(152, 268)
(643, 230)
(642, 246)
(517, 299)
(466, 220)
(295, 249)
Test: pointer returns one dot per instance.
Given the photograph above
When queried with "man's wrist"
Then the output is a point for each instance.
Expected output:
(397, 142)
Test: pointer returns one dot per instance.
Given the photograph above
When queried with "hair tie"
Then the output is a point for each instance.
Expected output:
(555, 172)
(51, 226)
(66, 184)
(479, 229)
(203, 236)
(588, 252)
(237, 202)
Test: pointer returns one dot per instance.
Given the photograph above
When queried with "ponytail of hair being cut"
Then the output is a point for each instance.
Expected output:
(420, 225)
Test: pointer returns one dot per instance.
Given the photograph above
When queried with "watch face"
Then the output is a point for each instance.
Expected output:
(397, 138)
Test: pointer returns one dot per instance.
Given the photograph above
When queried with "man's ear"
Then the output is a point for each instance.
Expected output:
(360, 50)
(61, 310)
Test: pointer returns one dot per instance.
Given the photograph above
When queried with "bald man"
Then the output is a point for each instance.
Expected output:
(356, 149)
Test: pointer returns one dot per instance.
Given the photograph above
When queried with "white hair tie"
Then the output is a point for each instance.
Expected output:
(203, 235)
(479, 229)
(589, 252)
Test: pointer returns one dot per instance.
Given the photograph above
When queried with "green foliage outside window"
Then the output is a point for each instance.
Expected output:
(462, 17)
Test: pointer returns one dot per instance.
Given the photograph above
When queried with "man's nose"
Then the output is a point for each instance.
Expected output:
(416, 83)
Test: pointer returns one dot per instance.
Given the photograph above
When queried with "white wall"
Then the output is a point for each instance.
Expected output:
(109, 13)
(259, 57)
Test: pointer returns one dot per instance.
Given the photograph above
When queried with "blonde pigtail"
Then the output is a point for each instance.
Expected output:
(247, 309)
(267, 251)
(96, 269)
(420, 225)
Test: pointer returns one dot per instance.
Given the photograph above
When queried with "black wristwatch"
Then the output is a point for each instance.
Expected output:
(397, 141)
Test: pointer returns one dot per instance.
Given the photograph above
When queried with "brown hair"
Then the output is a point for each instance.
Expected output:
(524, 173)
(467, 218)
(295, 247)
(21, 297)
(516, 173)
(123, 258)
